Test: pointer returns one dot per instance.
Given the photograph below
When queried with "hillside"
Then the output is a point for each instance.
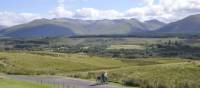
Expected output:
(2, 27)
(154, 73)
(154, 24)
(148, 72)
(189, 24)
(40, 31)
(36, 63)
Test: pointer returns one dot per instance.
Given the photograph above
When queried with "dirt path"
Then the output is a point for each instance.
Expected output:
(64, 82)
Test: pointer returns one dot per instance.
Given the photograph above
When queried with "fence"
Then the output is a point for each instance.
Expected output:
(54, 84)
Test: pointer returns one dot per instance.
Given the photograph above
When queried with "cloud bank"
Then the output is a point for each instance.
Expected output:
(163, 10)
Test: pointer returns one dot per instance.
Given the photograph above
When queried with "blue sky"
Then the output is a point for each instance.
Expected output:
(42, 6)
(14, 12)
(33, 6)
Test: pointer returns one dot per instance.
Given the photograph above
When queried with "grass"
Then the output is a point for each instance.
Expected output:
(154, 73)
(152, 61)
(9, 83)
(174, 75)
(26, 63)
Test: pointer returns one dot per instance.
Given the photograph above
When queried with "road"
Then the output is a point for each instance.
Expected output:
(64, 82)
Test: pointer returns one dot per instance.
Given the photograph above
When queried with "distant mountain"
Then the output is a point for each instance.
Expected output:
(70, 27)
(154, 24)
(2, 27)
(189, 24)
(99, 27)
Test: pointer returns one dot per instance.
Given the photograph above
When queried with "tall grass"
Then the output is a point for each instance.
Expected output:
(165, 73)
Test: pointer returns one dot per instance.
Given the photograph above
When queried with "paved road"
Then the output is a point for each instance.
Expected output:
(63, 82)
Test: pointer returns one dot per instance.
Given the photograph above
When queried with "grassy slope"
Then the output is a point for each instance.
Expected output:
(8, 83)
(174, 75)
(154, 73)
(147, 73)
(38, 63)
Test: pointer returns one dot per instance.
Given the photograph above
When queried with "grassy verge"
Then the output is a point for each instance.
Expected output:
(8, 83)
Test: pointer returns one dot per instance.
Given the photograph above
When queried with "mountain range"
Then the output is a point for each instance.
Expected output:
(73, 27)
(70, 27)
(189, 24)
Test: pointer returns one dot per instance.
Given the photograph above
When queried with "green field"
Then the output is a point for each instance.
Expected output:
(104, 41)
(9, 83)
(117, 47)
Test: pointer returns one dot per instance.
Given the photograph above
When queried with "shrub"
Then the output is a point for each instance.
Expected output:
(132, 82)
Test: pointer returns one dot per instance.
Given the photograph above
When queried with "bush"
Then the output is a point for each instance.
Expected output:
(132, 82)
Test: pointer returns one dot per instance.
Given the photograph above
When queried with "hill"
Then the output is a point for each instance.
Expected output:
(37, 28)
(187, 25)
(145, 73)
(36, 63)
(154, 24)
(2, 27)
(154, 73)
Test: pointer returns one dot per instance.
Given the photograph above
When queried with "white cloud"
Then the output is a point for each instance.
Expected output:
(111, 14)
(11, 18)
(148, 2)
(87, 13)
(165, 10)
(94, 14)
(180, 6)
(60, 11)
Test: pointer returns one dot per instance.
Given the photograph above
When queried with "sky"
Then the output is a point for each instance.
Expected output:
(14, 12)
